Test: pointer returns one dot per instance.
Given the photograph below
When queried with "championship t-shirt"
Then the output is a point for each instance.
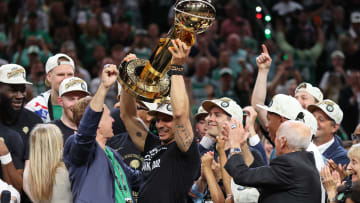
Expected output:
(168, 173)
(122, 144)
(66, 131)
(24, 125)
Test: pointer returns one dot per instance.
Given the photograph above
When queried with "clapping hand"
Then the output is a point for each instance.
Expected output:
(237, 134)
(207, 160)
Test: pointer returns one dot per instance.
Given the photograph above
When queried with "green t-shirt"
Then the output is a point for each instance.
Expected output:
(57, 111)
(120, 194)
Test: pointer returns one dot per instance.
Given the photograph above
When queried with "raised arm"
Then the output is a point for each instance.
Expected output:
(179, 99)
(128, 114)
(79, 148)
(108, 78)
(259, 94)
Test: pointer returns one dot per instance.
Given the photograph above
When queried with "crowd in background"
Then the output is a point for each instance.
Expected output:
(312, 41)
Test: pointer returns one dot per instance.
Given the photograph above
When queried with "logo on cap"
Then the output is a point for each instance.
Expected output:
(271, 103)
(16, 71)
(225, 104)
(74, 82)
(168, 107)
(329, 108)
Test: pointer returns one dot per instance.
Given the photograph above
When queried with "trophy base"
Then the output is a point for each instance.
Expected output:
(144, 90)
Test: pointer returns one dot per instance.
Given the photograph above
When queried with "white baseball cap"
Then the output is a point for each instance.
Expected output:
(330, 108)
(164, 108)
(13, 74)
(313, 91)
(73, 84)
(225, 71)
(337, 53)
(53, 62)
(226, 104)
(310, 121)
(148, 105)
(201, 111)
(283, 105)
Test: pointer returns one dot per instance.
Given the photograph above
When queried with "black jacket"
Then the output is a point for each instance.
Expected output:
(292, 177)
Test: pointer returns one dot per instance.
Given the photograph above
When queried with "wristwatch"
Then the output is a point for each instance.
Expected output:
(333, 199)
(235, 151)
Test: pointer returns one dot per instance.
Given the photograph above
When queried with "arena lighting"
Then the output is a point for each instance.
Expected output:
(258, 9)
(267, 18)
(259, 16)
(267, 32)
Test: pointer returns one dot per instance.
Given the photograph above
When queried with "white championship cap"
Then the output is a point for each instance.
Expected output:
(310, 121)
(164, 108)
(284, 105)
(53, 62)
(330, 108)
(201, 111)
(13, 74)
(148, 105)
(313, 91)
(226, 104)
(73, 84)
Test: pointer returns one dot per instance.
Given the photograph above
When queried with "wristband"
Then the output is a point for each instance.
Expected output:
(207, 142)
(176, 67)
(175, 72)
(5, 159)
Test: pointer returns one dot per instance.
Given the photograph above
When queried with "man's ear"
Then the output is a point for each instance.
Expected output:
(283, 142)
(335, 128)
(60, 101)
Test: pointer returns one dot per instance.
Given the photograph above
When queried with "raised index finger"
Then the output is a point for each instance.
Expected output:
(265, 51)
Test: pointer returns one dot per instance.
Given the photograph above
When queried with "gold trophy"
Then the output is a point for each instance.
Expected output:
(147, 80)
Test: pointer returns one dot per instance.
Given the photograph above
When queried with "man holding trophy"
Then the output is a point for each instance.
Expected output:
(171, 160)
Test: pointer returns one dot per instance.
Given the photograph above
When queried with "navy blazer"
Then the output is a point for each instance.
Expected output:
(292, 177)
(337, 153)
(91, 172)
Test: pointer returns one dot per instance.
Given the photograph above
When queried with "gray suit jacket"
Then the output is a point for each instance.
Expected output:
(292, 177)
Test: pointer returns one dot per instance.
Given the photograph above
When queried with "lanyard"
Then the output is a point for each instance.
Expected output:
(121, 183)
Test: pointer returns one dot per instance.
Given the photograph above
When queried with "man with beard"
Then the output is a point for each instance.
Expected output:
(12, 97)
(14, 116)
(71, 90)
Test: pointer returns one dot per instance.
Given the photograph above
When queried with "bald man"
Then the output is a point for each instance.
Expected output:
(290, 177)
